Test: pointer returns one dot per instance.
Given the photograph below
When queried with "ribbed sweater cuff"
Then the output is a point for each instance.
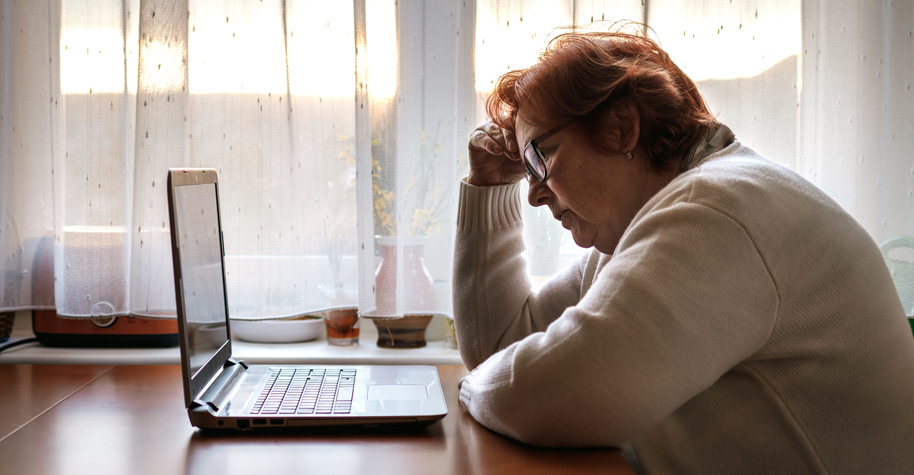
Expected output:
(488, 208)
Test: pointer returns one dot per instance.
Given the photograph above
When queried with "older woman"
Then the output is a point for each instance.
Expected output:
(731, 317)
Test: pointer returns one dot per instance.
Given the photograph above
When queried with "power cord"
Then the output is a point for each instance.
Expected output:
(17, 343)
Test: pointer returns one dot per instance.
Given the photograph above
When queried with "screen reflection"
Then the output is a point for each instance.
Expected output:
(202, 274)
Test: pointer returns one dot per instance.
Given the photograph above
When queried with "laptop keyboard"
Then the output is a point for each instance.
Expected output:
(307, 391)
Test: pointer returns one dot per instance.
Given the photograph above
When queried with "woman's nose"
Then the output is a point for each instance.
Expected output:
(538, 194)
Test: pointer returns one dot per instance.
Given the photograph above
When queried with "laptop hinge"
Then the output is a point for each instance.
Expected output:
(219, 390)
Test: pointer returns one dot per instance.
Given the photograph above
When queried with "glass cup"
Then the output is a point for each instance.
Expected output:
(342, 326)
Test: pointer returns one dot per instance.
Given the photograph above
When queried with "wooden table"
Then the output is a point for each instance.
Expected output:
(131, 420)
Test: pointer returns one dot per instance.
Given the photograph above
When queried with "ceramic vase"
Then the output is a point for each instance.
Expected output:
(419, 295)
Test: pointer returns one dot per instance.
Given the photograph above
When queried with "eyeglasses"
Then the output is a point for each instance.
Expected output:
(534, 159)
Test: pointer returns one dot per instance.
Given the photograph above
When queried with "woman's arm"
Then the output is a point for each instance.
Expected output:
(686, 297)
(493, 302)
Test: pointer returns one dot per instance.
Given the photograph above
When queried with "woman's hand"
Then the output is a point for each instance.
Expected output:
(494, 157)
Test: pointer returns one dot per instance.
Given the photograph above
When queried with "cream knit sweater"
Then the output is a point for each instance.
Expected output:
(745, 324)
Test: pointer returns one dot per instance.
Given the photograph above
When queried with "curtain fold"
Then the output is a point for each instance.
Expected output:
(409, 142)
(30, 104)
(160, 141)
(856, 116)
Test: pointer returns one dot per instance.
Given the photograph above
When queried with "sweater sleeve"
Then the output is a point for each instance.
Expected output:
(493, 302)
(686, 297)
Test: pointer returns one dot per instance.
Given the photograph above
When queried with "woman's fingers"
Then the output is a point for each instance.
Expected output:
(494, 139)
(489, 144)
(480, 140)
(492, 146)
(505, 139)
(511, 145)
(494, 131)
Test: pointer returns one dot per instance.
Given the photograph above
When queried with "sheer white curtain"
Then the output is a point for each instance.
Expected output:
(29, 115)
(824, 88)
(857, 120)
(101, 98)
(338, 130)
(412, 121)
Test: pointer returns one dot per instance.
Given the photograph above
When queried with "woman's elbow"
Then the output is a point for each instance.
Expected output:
(470, 355)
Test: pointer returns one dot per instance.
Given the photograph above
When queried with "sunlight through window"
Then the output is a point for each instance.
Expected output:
(720, 42)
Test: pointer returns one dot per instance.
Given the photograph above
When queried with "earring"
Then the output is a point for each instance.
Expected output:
(628, 155)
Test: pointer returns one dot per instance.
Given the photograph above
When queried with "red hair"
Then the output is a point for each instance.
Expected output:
(581, 75)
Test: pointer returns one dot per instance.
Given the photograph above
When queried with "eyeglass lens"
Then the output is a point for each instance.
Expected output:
(534, 161)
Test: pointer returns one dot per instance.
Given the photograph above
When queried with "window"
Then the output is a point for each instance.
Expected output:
(265, 92)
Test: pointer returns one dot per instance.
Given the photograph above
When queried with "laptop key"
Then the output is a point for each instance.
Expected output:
(345, 393)
(307, 391)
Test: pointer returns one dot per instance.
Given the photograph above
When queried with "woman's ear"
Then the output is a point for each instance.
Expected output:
(622, 125)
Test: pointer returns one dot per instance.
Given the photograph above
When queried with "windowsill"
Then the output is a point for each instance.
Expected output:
(312, 352)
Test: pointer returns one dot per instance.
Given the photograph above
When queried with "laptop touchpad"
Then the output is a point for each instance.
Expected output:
(397, 392)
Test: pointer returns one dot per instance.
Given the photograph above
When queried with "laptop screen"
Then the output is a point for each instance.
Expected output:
(200, 252)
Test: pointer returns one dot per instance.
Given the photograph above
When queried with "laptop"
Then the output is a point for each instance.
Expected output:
(222, 393)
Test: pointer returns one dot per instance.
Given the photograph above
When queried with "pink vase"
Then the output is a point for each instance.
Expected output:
(419, 294)
(419, 287)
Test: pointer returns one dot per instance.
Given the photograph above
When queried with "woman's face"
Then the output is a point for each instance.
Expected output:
(593, 193)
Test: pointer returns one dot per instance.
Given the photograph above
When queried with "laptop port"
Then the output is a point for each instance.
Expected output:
(242, 423)
(275, 422)
(259, 422)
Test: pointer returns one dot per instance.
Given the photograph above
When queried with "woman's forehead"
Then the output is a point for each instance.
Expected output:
(523, 130)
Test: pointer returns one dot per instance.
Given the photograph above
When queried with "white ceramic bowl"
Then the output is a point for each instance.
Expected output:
(304, 328)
